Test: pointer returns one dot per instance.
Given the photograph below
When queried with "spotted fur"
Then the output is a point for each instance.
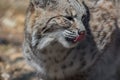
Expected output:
(50, 28)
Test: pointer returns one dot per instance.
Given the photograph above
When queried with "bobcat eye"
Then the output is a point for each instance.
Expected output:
(69, 18)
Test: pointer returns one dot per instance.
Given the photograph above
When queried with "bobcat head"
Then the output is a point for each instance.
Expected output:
(53, 20)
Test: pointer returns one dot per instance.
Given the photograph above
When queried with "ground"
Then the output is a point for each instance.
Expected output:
(12, 63)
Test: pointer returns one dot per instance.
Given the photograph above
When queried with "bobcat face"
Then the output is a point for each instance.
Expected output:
(63, 24)
(69, 27)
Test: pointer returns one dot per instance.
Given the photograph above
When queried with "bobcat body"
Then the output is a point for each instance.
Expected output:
(60, 44)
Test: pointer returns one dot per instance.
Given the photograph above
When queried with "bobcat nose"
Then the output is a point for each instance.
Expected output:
(81, 32)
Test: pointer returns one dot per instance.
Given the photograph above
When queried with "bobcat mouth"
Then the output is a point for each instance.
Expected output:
(78, 38)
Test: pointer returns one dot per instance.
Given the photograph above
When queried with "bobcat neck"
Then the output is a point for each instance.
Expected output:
(58, 61)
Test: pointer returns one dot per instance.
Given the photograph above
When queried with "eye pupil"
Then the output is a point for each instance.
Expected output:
(69, 18)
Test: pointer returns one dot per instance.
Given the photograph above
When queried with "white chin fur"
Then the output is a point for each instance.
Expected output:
(65, 43)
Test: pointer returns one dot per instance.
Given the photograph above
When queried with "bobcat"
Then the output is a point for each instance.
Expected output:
(60, 44)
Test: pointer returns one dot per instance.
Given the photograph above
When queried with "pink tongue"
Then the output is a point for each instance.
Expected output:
(78, 38)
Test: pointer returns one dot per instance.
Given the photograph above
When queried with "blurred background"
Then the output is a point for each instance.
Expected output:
(12, 64)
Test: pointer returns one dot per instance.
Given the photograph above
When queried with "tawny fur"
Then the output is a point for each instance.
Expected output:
(50, 22)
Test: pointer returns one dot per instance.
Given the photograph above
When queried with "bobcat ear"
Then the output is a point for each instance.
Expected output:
(44, 3)
(40, 3)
